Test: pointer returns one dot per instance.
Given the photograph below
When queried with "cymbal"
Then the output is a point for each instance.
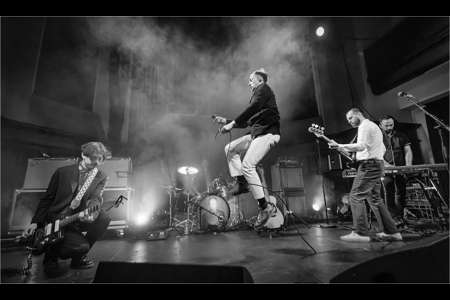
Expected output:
(187, 170)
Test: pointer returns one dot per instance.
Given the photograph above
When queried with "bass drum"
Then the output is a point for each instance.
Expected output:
(212, 212)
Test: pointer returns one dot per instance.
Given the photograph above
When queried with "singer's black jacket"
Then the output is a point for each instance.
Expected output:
(262, 114)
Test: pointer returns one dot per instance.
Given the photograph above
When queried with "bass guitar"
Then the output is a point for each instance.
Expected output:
(53, 232)
(276, 220)
(319, 132)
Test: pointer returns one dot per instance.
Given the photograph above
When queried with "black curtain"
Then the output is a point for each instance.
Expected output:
(439, 138)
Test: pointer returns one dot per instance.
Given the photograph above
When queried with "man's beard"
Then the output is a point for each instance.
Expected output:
(356, 124)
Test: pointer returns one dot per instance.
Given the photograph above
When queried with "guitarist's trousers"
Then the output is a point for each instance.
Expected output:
(254, 150)
(75, 242)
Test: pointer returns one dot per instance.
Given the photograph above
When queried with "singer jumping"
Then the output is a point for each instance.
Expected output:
(263, 118)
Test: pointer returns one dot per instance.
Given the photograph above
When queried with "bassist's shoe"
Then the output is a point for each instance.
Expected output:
(264, 215)
(82, 262)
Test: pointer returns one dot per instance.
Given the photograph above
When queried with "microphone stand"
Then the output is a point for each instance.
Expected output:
(438, 127)
(323, 189)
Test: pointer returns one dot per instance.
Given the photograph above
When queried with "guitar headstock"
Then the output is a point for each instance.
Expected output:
(317, 130)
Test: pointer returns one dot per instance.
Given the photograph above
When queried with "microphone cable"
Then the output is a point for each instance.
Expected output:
(25, 271)
(282, 201)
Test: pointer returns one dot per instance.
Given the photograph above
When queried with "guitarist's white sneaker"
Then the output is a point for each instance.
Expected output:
(264, 215)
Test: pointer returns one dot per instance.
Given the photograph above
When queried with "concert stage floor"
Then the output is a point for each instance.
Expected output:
(298, 255)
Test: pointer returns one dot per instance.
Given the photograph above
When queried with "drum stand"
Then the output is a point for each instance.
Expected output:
(188, 223)
(236, 213)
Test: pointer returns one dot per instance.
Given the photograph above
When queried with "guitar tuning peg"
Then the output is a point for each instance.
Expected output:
(313, 125)
(323, 129)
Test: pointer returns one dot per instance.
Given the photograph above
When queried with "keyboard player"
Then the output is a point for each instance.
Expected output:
(398, 153)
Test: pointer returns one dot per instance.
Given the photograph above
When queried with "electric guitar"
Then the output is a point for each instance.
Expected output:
(276, 220)
(319, 132)
(53, 232)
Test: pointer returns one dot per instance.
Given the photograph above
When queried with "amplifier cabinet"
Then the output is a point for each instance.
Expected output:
(288, 178)
(23, 207)
(40, 170)
(119, 171)
(120, 216)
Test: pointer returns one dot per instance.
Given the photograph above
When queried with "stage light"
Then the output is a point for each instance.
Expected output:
(141, 219)
(320, 31)
(316, 207)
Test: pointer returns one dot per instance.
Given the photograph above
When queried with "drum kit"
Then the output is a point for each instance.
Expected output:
(212, 210)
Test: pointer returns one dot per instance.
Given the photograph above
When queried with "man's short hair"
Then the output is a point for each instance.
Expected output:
(95, 150)
(261, 72)
(386, 117)
(355, 110)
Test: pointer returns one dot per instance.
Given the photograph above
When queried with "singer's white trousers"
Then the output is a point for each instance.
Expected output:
(253, 150)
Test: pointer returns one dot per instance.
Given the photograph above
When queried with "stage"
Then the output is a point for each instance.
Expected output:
(310, 253)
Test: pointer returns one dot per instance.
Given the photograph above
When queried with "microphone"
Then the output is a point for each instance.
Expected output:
(403, 94)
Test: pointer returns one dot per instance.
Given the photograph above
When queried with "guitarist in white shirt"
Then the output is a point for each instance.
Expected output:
(63, 198)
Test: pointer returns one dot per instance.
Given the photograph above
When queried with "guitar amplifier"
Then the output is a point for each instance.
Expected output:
(23, 207)
(40, 170)
(120, 216)
(119, 171)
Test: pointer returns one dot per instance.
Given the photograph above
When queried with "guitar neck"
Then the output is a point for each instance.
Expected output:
(343, 152)
(74, 217)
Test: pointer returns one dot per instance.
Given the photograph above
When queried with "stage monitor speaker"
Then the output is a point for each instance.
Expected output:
(119, 171)
(40, 170)
(416, 263)
(23, 207)
(138, 272)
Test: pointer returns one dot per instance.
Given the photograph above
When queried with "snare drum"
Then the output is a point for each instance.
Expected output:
(212, 212)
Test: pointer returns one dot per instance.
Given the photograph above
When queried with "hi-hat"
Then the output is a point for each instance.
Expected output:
(187, 170)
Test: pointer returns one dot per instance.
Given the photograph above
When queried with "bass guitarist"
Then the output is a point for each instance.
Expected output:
(73, 189)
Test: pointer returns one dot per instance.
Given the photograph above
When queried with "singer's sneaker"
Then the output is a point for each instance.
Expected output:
(264, 215)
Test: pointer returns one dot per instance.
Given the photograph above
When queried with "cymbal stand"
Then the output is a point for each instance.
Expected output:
(235, 213)
(188, 222)
(172, 218)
